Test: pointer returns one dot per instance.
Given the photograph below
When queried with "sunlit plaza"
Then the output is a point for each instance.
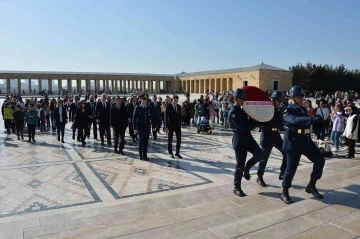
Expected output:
(54, 190)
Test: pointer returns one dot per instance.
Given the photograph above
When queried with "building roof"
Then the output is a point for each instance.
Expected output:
(259, 67)
(82, 73)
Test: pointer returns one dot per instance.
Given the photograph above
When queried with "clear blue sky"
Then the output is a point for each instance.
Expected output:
(169, 36)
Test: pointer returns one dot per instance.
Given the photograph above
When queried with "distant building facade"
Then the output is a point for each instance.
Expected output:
(265, 77)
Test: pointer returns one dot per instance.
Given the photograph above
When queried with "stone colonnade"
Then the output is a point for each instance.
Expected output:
(203, 86)
(150, 86)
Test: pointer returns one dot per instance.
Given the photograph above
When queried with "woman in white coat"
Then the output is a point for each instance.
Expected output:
(351, 130)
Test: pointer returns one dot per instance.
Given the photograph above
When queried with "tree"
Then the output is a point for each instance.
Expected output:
(314, 77)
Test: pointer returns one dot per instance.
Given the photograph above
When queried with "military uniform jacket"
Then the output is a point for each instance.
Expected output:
(142, 118)
(242, 125)
(296, 118)
(277, 122)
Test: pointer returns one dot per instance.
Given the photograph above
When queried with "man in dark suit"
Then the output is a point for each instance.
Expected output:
(131, 107)
(142, 125)
(155, 109)
(173, 124)
(102, 112)
(119, 123)
(73, 108)
(60, 117)
(91, 107)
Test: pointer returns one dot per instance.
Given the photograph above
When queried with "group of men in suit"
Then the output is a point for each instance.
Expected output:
(142, 119)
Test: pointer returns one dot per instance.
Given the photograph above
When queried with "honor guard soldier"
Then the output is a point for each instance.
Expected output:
(270, 137)
(242, 141)
(297, 141)
(142, 125)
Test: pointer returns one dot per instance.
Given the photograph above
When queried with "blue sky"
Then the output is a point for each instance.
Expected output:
(169, 36)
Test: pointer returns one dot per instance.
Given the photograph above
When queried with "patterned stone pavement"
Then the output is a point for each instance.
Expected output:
(54, 190)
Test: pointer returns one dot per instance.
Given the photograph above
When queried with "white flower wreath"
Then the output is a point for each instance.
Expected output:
(261, 111)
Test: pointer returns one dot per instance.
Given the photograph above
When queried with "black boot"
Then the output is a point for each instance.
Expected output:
(311, 189)
(261, 182)
(247, 172)
(239, 192)
(281, 176)
(285, 196)
(116, 150)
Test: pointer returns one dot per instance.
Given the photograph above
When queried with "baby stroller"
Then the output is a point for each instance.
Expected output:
(203, 125)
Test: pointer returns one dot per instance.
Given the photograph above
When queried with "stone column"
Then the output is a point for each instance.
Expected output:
(196, 87)
(192, 86)
(40, 86)
(229, 84)
(60, 85)
(97, 86)
(19, 86)
(8, 90)
(29, 84)
(87, 86)
(206, 86)
(223, 84)
(212, 85)
(69, 83)
(49, 85)
(116, 86)
(107, 86)
(120, 86)
(201, 90)
(217, 85)
(157, 83)
(78, 86)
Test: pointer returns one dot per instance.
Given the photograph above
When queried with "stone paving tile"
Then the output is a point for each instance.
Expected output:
(100, 211)
(350, 222)
(283, 230)
(203, 234)
(46, 229)
(155, 233)
(20, 224)
(91, 221)
(54, 219)
(326, 232)
(13, 234)
(197, 224)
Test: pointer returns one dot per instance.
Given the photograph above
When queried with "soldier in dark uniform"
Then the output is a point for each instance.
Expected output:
(119, 123)
(131, 107)
(242, 141)
(142, 125)
(297, 141)
(155, 114)
(270, 137)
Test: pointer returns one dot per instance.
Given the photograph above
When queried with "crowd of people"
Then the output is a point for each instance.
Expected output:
(334, 117)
